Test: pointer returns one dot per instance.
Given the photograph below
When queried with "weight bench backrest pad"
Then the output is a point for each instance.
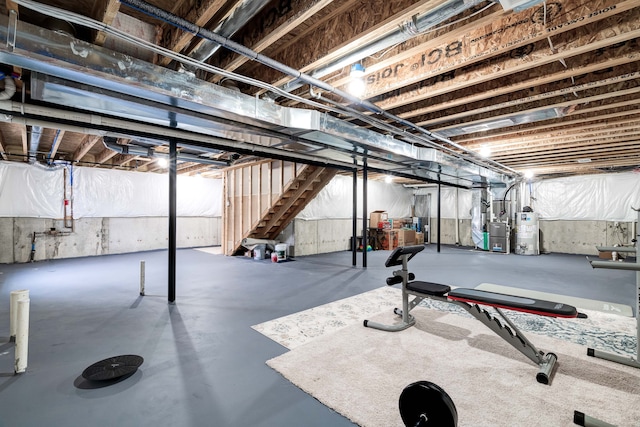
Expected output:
(512, 302)
(396, 256)
(433, 289)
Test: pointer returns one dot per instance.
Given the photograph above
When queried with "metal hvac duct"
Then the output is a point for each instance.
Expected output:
(80, 75)
(34, 142)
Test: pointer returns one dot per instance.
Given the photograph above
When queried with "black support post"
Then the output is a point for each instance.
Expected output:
(364, 212)
(439, 202)
(354, 219)
(173, 168)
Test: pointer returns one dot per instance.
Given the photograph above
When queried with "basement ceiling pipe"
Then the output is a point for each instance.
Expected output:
(110, 143)
(418, 24)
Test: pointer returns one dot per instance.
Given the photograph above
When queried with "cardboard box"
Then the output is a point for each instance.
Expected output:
(605, 255)
(419, 238)
(389, 241)
(376, 218)
(406, 237)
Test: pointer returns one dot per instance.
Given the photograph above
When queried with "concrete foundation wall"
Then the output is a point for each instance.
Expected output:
(103, 236)
(321, 236)
(582, 237)
(570, 237)
(99, 236)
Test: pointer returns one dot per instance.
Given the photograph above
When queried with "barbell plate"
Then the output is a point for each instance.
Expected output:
(425, 404)
(113, 367)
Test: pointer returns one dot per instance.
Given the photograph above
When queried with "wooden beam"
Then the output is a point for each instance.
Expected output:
(87, 143)
(56, 143)
(104, 156)
(105, 11)
(349, 25)
(176, 39)
(443, 79)
(595, 143)
(616, 153)
(527, 141)
(600, 166)
(498, 94)
(194, 168)
(592, 96)
(25, 140)
(271, 26)
(585, 114)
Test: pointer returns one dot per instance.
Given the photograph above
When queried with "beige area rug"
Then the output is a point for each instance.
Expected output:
(360, 372)
(299, 328)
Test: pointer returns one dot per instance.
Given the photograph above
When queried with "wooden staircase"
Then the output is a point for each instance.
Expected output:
(296, 194)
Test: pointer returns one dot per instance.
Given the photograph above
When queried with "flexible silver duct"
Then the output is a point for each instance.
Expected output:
(9, 88)
(34, 142)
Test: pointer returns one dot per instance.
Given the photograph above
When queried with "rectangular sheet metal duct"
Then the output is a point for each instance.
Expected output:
(76, 74)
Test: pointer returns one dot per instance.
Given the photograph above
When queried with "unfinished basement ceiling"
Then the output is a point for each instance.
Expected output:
(551, 87)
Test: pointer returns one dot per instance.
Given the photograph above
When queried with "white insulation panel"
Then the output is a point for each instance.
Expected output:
(36, 191)
(39, 192)
(605, 197)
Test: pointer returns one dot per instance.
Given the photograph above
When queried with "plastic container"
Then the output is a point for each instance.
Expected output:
(281, 251)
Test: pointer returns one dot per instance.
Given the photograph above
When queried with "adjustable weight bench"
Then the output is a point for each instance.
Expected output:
(471, 300)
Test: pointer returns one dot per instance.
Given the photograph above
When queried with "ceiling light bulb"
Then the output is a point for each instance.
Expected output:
(528, 174)
(356, 87)
(162, 162)
(388, 179)
(357, 70)
(485, 151)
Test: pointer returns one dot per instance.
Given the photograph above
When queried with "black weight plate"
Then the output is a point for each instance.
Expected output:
(113, 367)
(425, 404)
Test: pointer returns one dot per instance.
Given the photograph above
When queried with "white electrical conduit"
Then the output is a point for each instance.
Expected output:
(231, 45)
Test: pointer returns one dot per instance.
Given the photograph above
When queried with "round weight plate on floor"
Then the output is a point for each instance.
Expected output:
(113, 367)
(425, 404)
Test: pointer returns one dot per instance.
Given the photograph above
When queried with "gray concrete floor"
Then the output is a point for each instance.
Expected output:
(204, 365)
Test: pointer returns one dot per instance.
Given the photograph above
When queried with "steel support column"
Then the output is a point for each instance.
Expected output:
(173, 169)
(364, 212)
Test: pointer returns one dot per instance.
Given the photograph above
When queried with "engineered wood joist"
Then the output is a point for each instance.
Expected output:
(399, 85)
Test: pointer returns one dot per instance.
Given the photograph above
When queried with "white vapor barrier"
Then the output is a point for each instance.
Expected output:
(335, 200)
(448, 201)
(606, 197)
(33, 191)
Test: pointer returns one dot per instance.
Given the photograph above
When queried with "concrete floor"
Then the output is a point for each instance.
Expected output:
(203, 364)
